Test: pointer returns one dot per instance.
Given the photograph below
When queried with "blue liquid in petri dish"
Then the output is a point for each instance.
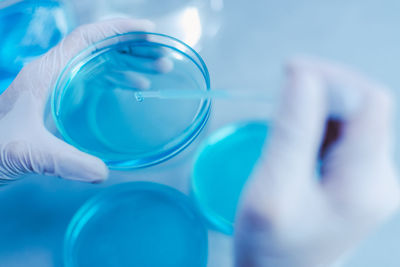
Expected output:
(137, 224)
(97, 109)
(222, 167)
(28, 29)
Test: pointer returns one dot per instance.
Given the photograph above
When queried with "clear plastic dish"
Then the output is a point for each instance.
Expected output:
(222, 166)
(95, 104)
(137, 224)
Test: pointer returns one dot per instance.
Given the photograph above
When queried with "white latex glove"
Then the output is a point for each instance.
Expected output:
(291, 215)
(25, 145)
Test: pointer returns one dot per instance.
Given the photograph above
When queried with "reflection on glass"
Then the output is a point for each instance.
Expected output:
(192, 21)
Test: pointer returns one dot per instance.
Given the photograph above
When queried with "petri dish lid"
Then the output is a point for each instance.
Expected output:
(137, 224)
(96, 106)
(222, 166)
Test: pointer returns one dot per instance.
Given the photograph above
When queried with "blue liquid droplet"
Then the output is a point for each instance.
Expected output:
(139, 97)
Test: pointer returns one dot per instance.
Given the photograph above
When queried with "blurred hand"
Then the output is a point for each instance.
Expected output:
(292, 215)
(25, 145)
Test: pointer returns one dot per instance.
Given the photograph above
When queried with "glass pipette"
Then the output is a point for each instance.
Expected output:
(253, 95)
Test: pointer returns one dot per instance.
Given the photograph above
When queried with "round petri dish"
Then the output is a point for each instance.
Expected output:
(222, 166)
(96, 106)
(137, 224)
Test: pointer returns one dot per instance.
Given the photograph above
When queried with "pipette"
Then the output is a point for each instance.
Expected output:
(339, 106)
(253, 95)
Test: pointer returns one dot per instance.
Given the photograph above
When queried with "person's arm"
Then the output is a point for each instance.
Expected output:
(290, 214)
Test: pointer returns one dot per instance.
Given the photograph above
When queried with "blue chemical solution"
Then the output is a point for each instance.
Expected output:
(99, 110)
(222, 167)
(28, 29)
(137, 224)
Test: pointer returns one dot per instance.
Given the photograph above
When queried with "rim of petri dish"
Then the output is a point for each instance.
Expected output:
(94, 204)
(215, 220)
(170, 149)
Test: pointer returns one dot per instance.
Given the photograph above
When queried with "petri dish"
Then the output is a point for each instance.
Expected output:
(195, 22)
(96, 108)
(222, 166)
(137, 224)
(37, 25)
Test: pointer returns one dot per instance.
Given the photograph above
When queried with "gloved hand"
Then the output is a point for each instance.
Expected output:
(294, 216)
(25, 144)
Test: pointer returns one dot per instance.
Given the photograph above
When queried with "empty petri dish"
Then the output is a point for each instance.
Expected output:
(222, 166)
(97, 109)
(137, 224)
